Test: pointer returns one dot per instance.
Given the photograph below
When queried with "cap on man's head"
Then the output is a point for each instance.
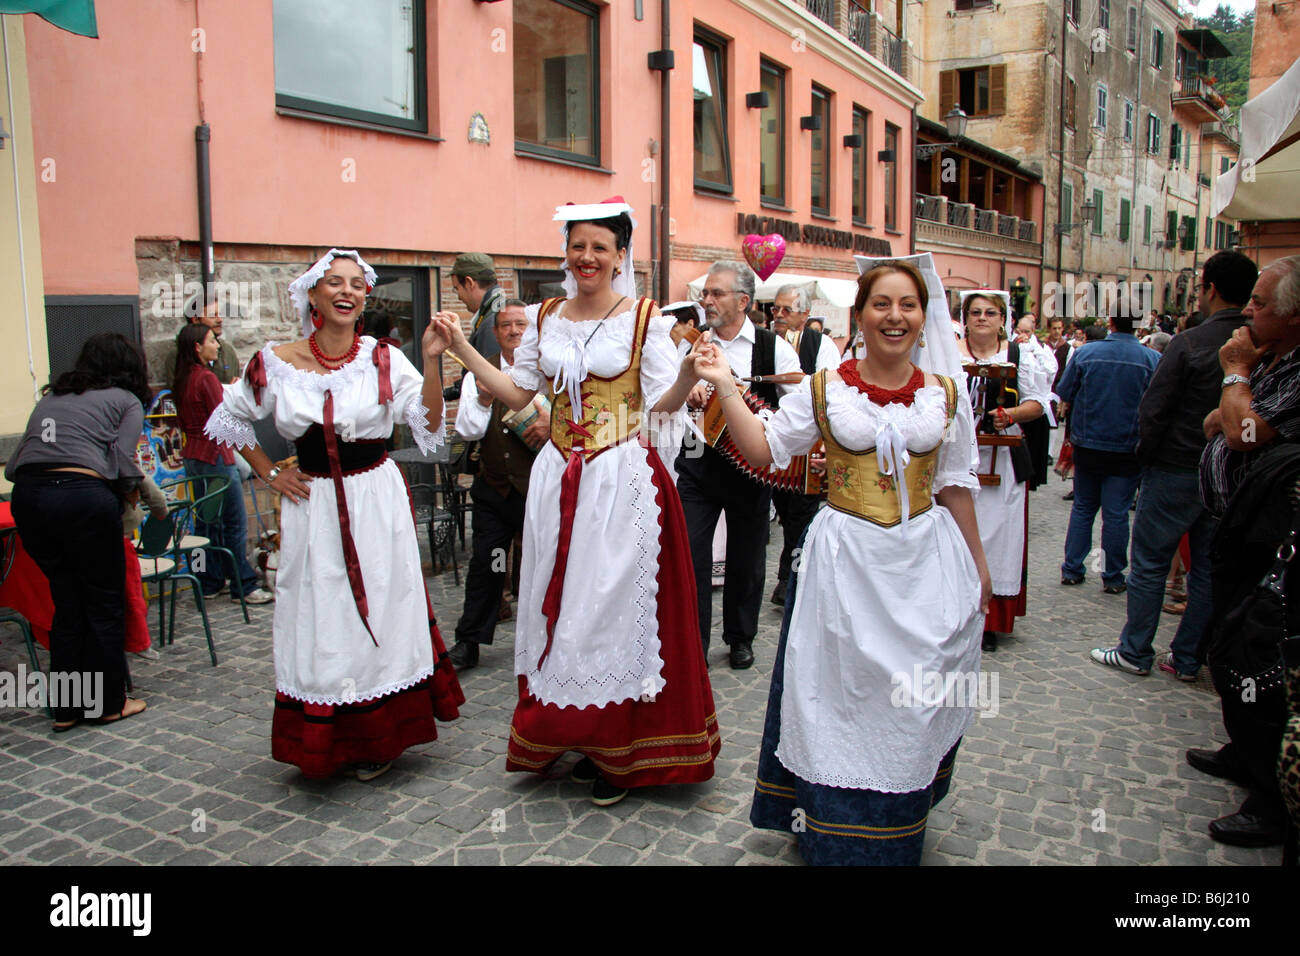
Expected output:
(474, 265)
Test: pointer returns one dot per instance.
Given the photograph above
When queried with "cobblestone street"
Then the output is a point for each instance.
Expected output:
(1079, 765)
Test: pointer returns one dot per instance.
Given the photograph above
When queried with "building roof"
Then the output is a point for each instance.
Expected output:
(930, 128)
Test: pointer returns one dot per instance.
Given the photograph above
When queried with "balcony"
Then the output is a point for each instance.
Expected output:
(941, 221)
(823, 10)
(868, 33)
(1201, 98)
(1229, 132)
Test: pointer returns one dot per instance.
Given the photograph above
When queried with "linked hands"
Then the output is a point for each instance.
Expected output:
(443, 334)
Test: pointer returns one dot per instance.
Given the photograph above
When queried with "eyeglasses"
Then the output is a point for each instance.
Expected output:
(984, 314)
(716, 293)
(782, 310)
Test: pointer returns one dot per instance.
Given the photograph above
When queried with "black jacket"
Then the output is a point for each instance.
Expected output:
(1184, 389)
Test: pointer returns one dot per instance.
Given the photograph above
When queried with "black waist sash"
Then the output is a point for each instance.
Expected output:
(354, 456)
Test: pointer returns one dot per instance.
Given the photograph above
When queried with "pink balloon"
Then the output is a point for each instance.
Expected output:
(763, 253)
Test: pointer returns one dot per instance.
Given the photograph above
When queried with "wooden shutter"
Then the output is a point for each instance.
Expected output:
(947, 92)
(997, 89)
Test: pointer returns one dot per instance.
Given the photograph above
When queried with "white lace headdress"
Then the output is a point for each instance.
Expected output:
(300, 286)
(625, 282)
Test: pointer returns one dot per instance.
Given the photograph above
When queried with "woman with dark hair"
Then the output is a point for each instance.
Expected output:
(73, 468)
(1001, 406)
(361, 672)
(197, 392)
(607, 645)
(887, 597)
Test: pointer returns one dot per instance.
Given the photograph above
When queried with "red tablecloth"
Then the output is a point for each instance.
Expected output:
(28, 592)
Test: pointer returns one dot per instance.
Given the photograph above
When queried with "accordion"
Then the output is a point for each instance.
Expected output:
(797, 477)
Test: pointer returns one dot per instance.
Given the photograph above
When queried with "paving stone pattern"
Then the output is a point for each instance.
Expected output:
(1081, 765)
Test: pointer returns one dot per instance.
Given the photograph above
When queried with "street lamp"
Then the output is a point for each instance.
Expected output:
(1085, 212)
(955, 122)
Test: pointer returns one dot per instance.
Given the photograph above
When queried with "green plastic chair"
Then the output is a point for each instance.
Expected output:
(206, 494)
(159, 553)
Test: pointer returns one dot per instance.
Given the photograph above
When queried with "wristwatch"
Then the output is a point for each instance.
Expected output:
(271, 475)
(1234, 380)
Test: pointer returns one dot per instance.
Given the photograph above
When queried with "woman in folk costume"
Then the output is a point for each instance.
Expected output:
(1001, 407)
(607, 645)
(360, 667)
(858, 745)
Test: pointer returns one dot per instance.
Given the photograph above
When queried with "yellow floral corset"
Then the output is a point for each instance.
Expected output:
(856, 485)
(610, 411)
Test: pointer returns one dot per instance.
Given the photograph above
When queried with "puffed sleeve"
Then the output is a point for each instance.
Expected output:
(793, 429)
(408, 402)
(248, 399)
(1033, 379)
(525, 373)
(959, 458)
(472, 419)
(660, 361)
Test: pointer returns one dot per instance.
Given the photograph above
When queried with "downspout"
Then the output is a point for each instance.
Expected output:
(202, 135)
(1137, 152)
(665, 150)
(1060, 139)
(911, 242)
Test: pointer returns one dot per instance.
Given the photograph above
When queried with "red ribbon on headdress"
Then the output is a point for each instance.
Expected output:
(350, 559)
(255, 376)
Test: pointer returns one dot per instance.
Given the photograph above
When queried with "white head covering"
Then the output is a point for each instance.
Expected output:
(300, 286)
(694, 306)
(625, 282)
(1008, 321)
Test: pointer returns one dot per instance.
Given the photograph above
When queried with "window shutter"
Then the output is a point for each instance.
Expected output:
(997, 89)
(947, 91)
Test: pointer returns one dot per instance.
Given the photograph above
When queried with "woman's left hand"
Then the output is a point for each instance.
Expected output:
(439, 335)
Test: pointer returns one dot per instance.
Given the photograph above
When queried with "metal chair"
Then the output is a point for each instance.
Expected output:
(440, 525)
(206, 494)
(159, 553)
(8, 549)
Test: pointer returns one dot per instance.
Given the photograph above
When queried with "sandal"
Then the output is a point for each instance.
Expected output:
(1174, 607)
(123, 714)
(63, 726)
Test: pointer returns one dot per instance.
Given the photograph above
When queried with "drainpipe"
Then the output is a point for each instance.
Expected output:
(1060, 140)
(202, 135)
(1137, 152)
(911, 242)
(665, 151)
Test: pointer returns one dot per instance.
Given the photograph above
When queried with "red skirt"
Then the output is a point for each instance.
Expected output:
(322, 739)
(1004, 610)
(637, 743)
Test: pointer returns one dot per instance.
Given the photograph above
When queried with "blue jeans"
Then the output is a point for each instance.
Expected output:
(231, 533)
(1168, 507)
(1113, 494)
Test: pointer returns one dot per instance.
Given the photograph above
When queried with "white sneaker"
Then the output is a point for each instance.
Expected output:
(149, 654)
(1111, 657)
(256, 596)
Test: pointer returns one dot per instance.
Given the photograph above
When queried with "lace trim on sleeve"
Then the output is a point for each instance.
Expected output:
(417, 417)
(225, 428)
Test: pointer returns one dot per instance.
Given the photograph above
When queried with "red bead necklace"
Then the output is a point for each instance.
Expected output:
(334, 362)
(882, 396)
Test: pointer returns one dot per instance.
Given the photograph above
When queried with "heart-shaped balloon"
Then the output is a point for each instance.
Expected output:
(763, 253)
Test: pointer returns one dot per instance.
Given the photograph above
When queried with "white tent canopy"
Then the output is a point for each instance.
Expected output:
(1265, 184)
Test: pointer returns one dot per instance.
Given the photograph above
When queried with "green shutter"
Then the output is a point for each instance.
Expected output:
(1125, 214)
(1097, 200)
(1146, 226)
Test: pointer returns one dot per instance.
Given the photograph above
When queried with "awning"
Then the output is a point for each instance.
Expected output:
(1209, 46)
(75, 16)
(837, 292)
(1265, 184)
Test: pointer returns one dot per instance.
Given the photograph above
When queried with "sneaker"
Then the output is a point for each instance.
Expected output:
(255, 596)
(606, 794)
(1166, 664)
(584, 771)
(369, 771)
(1111, 657)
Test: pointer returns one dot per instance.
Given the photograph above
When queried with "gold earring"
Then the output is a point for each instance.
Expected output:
(617, 271)
(922, 341)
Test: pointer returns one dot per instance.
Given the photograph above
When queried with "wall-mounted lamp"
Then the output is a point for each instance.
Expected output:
(757, 101)
(886, 156)
(853, 140)
(660, 59)
(955, 122)
(1085, 213)
(810, 122)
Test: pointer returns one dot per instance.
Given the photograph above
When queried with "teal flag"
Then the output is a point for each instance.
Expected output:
(75, 16)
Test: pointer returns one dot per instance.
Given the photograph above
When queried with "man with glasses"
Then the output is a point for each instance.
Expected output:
(816, 351)
(710, 485)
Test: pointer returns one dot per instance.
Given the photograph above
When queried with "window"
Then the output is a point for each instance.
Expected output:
(1132, 35)
(1171, 227)
(861, 175)
(981, 91)
(1072, 10)
(1189, 233)
(1103, 15)
(400, 302)
(537, 285)
(1129, 112)
(376, 77)
(891, 177)
(1158, 49)
(1146, 226)
(1225, 164)
(712, 152)
(1125, 216)
(557, 79)
(1175, 144)
(1098, 201)
(971, 4)
(1153, 133)
(1070, 102)
(1067, 205)
(1220, 235)
(771, 135)
(1101, 106)
(820, 171)
(1208, 227)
